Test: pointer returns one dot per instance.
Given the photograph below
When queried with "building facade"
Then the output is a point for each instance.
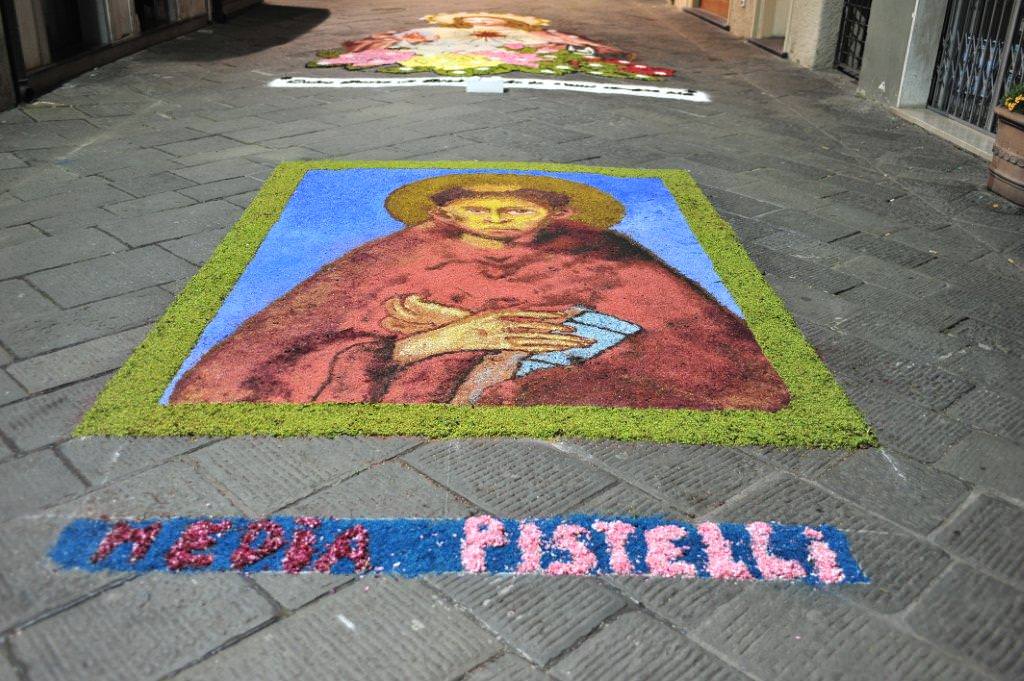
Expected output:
(942, 64)
(46, 42)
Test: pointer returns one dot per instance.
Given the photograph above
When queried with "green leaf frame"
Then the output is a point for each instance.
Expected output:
(819, 414)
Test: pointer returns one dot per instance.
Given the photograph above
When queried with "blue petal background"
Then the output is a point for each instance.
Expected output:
(334, 211)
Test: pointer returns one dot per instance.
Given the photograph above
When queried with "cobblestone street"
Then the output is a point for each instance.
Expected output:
(901, 270)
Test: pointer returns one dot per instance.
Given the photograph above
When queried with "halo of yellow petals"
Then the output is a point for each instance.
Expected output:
(411, 204)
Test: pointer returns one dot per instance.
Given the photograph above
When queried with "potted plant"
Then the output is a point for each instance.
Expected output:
(1006, 171)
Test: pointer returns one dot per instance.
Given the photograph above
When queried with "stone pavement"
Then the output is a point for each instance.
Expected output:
(900, 269)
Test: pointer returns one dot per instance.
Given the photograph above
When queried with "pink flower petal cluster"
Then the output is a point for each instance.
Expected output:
(509, 57)
(367, 58)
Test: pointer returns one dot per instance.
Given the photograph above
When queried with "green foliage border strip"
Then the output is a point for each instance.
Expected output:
(819, 415)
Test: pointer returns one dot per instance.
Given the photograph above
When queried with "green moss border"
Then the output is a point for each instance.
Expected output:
(819, 415)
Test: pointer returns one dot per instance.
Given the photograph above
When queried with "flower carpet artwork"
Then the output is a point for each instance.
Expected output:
(486, 43)
(476, 299)
(578, 545)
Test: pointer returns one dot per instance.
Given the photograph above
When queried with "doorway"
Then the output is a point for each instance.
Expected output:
(719, 8)
(771, 24)
(712, 11)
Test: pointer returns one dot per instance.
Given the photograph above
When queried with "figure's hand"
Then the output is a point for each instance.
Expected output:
(412, 314)
(516, 330)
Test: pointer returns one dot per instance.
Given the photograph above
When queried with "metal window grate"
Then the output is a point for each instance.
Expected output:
(980, 55)
(853, 30)
(1013, 72)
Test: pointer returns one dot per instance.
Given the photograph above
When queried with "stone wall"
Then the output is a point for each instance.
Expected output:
(813, 32)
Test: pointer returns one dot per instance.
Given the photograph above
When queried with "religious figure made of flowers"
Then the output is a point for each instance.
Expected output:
(485, 43)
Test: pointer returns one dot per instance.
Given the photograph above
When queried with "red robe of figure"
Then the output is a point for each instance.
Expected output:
(330, 339)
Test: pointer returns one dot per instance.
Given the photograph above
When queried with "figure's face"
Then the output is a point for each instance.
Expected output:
(496, 217)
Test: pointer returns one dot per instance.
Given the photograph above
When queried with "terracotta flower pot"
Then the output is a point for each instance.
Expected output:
(1006, 171)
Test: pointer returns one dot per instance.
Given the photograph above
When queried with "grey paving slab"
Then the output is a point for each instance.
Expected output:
(623, 498)
(20, 301)
(77, 362)
(979, 282)
(637, 646)
(48, 207)
(696, 479)
(263, 133)
(86, 641)
(899, 565)
(793, 633)
(993, 412)
(222, 188)
(241, 200)
(161, 136)
(910, 493)
(390, 490)
(1005, 265)
(12, 236)
(801, 462)
(683, 603)
(207, 143)
(507, 668)
(111, 157)
(147, 184)
(203, 158)
(219, 170)
(986, 534)
(748, 230)
(30, 584)
(29, 182)
(908, 426)
(988, 461)
(900, 278)
(377, 628)
(538, 616)
(53, 182)
(111, 275)
(9, 160)
(987, 337)
(58, 329)
(997, 312)
(291, 593)
(976, 616)
(819, 306)
(48, 418)
(510, 477)
(809, 273)
(86, 217)
(266, 474)
(169, 224)
(10, 390)
(40, 254)
(902, 303)
(213, 127)
(104, 459)
(153, 203)
(900, 336)
(871, 366)
(172, 488)
(33, 482)
(7, 671)
(998, 371)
